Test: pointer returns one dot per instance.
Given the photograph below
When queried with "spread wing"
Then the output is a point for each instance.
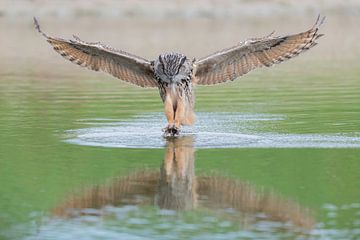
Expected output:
(231, 63)
(96, 56)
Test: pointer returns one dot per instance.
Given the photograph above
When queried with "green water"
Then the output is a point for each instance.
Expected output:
(39, 169)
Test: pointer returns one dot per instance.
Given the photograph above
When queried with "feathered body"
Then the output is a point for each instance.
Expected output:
(174, 74)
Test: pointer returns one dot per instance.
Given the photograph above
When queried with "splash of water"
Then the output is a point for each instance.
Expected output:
(212, 130)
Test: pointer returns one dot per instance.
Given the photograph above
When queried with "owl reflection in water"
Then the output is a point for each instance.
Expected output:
(175, 74)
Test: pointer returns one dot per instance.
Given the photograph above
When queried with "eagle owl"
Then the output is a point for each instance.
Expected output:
(175, 74)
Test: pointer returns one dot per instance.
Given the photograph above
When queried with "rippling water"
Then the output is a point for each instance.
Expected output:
(212, 130)
(82, 161)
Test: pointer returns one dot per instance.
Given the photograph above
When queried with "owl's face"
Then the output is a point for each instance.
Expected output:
(173, 67)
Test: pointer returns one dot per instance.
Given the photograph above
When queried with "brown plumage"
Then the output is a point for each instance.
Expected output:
(97, 56)
(174, 74)
(231, 63)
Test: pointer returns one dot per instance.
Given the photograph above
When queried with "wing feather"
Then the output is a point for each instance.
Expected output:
(99, 57)
(231, 63)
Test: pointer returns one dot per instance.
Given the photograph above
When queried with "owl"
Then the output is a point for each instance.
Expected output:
(175, 74)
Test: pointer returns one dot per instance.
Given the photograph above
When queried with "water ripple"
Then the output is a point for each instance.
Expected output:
(212, 130)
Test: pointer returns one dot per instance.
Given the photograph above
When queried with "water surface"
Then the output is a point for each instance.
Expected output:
(273, 155)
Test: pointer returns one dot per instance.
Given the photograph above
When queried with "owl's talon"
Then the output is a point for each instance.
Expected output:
(175, 131)
(167, 128)
(171, 131)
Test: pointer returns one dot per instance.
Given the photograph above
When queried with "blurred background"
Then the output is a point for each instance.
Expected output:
(148, 28)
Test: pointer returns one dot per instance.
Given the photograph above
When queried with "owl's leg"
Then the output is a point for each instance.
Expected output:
(169, 113)
(180, 113)
(189, 117)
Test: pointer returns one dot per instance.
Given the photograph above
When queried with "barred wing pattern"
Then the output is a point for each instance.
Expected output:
(231, 63)
(96, 56)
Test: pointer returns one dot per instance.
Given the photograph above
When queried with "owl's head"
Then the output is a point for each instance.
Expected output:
(172, 67)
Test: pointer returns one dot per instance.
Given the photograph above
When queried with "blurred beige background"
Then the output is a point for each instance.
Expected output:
(147, 28)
